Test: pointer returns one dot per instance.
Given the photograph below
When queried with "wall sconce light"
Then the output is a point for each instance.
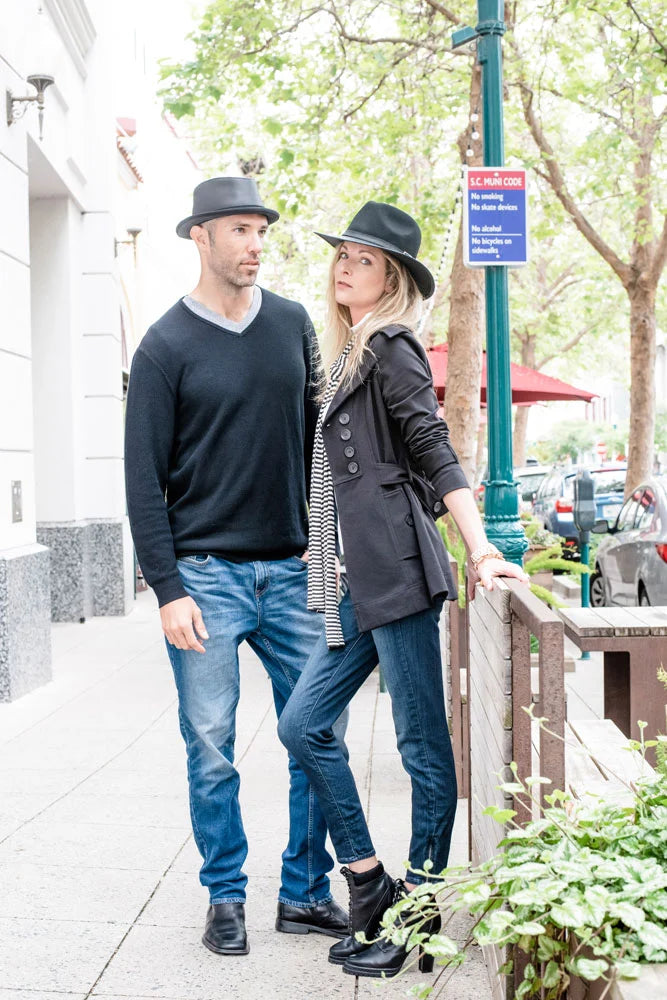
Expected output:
(132, 233)
(40, 81)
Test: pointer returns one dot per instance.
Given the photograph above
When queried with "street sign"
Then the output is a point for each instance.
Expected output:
(494, 217)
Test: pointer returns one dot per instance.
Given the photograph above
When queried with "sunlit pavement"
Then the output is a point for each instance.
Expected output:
(99, 894)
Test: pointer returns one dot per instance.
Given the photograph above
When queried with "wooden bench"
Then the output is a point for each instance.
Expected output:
(634, 644)
(609, 775)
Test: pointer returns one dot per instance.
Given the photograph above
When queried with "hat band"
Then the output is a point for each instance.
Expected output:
(375, 241)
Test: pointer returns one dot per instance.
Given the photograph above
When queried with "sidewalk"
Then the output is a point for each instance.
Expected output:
(99, 895)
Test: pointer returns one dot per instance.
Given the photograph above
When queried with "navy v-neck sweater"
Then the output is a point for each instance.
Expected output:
(218, 439)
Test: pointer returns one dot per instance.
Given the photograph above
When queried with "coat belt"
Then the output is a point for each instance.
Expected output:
(392, 474)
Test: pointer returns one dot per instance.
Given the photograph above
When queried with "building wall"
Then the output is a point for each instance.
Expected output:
(60, 353)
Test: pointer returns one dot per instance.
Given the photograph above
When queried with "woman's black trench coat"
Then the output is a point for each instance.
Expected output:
(392, 463)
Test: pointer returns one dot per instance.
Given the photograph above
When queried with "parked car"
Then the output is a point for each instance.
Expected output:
(553, 504)
(528, 478)
(631, 561)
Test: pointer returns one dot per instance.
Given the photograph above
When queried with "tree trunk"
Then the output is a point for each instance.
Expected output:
(465, 334)
(527, 341)
(519, 439)
(642, 380)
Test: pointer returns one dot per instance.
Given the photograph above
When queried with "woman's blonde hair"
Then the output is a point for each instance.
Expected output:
(402, 303)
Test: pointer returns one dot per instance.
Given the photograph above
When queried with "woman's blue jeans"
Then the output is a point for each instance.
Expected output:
(408, 651)
(263, 603)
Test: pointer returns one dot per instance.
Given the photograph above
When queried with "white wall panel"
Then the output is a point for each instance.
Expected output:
(16, 430)
(16, 466)
(15, 299)
(102, 366)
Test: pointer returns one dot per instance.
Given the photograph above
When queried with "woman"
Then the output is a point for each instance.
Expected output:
(382, 460)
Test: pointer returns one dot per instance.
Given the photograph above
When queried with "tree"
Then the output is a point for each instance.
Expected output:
(593, 98)
(558, 318)
(344, 102)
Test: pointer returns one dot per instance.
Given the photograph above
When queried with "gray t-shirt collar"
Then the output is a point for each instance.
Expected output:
(222, 321)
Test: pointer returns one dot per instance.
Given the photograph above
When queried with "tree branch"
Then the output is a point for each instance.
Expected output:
(441, 9)
(570, 343)
(557, 182)
(659, 257)
(645, 24)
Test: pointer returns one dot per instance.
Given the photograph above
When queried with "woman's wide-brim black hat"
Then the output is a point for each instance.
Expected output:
(224, 196)
(390, 229)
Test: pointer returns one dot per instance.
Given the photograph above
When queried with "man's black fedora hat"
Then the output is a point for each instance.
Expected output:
(388, 228)
(224, 196)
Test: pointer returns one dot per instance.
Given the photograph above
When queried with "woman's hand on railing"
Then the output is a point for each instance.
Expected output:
(488, 570)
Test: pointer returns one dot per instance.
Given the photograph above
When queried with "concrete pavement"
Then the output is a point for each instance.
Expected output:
(99, 895)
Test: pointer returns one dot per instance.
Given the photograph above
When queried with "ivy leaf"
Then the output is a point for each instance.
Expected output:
(569, 913)
(627, 970)
(552, 975)
(441, 946)
(547, 947)
(653, 936)
(531, 927)
(631, 915)
(501, 816)
(588, 968)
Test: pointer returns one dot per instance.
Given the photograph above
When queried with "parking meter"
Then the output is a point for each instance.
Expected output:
(584, 504)
(583, 512)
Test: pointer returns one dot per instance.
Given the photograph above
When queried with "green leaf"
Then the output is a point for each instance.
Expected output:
(547, 947)
(441, 946)
(626, 969)
(653, 936)
(552, 975)
(501, 816)
(568, 914)
(531, 927)
(588, 968)
(631, 915)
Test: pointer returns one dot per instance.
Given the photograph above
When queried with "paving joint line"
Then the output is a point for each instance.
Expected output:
(79, 694)
(168, 868)
(92, 773)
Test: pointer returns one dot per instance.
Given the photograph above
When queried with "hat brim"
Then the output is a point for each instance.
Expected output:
(184, 227)
(423, 277)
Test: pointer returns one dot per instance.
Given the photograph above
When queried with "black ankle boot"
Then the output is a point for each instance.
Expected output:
(384, 959)
(367, 904)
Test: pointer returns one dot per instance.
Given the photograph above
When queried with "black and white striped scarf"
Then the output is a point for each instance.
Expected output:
(322, 583)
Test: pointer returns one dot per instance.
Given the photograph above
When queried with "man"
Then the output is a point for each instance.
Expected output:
(220, 423)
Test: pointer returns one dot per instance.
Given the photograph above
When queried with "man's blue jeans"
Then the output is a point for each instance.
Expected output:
(263, 603)
(408, 651)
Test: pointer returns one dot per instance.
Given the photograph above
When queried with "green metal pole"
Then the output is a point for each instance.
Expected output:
(585, 551)
(501, 501)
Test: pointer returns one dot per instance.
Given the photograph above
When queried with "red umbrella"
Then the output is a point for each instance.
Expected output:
(528, 385)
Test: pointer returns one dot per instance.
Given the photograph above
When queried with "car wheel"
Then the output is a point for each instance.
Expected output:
(597, 594)
(643, 598)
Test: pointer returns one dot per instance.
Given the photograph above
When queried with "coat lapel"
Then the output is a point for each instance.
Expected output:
(345, 391)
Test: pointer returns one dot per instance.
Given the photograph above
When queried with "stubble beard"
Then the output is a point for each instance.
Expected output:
(233, 275)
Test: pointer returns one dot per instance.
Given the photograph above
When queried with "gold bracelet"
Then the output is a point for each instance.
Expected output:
(485, 551)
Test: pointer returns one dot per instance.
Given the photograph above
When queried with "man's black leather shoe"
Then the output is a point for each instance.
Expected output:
(322, 918)
(225, 932)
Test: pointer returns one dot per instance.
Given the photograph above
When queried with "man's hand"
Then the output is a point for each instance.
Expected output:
(490, 568)
(182, 622)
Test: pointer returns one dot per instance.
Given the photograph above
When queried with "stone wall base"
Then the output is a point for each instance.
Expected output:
(91, 567)
(25, 620)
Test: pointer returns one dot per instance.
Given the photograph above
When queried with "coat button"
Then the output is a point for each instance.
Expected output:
(349, 451)
(353, 467)
(437, 507)
(344, 418)
(345, 434)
